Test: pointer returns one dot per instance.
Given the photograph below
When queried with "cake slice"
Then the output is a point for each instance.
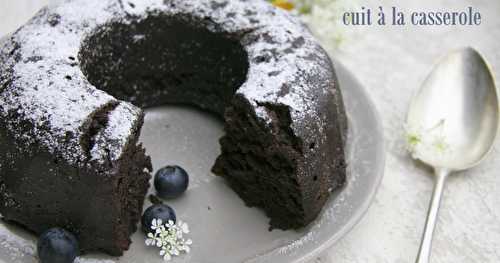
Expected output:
(97, 196)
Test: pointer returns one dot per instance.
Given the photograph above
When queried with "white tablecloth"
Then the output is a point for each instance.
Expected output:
(392, 62)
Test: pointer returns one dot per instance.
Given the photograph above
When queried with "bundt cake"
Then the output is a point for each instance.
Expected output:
(73, 81)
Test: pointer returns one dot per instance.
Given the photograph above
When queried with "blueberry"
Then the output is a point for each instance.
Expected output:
(57, 245)
(171, 181)
(159, 211)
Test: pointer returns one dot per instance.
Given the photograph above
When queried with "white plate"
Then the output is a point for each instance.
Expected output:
(223, 229)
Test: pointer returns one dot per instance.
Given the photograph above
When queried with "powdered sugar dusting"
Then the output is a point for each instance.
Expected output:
(16, 246)
(297, 244)
(281, 54)
(49, 88)
(113, 139)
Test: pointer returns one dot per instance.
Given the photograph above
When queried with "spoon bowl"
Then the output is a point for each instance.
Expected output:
(452, 124)
(455, 113)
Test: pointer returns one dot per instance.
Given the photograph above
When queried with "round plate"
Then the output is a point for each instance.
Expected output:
(222, 228)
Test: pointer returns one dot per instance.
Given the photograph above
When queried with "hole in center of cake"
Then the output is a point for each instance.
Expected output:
(161, 60)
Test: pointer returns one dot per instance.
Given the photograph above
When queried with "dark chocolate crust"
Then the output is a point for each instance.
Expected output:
(100, 202)
(72, 81)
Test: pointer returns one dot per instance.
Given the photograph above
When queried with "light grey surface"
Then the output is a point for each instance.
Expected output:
(392, 62)
(455, 136)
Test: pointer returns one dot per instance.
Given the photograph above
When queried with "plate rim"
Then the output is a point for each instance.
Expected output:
(342, 72)
(370, 198)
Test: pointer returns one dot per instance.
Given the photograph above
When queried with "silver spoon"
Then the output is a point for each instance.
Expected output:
(452, 124)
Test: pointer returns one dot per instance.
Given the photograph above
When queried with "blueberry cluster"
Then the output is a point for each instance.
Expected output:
(170, 182)
(57, 245)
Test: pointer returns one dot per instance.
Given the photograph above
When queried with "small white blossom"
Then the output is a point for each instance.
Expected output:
(428, 141)
(156, 224)
(169, 238)
(184, 227)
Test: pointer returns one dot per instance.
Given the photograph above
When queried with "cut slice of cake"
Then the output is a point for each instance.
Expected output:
(98, 196)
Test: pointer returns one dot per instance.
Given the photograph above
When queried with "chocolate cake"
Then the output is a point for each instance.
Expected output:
(73, 81)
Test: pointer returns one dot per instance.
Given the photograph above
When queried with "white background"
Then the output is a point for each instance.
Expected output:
(392, 62)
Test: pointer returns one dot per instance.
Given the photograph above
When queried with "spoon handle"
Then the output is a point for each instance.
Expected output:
(432, 215)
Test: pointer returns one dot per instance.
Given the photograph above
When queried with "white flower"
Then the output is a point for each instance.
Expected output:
(169, 238)
(149, 241)
(157, 223)
(184, 227)
(428, 140)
